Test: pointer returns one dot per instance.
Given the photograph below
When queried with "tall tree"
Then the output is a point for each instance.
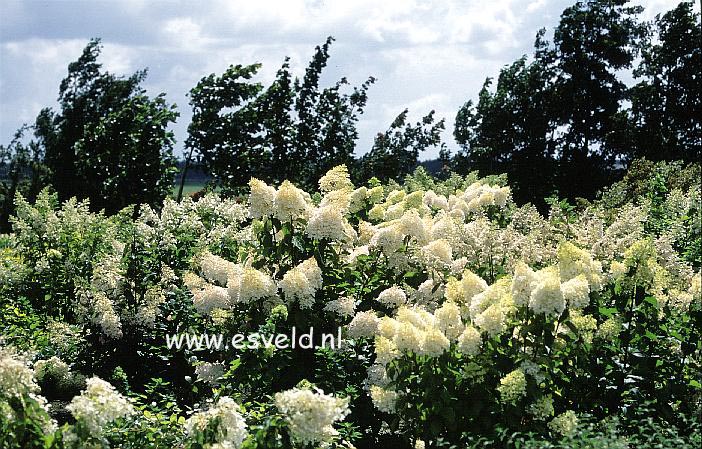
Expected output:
(594, 40)
(666, 104)
(293, 129)
(509, 130)
(395, 152)
(109, 141)
(557, 123)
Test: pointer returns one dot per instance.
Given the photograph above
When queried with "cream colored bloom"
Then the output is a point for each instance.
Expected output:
(377, 213)
(547, 297)
(392, 297)
(336, 179)
(376, 194)
(224, 419)
(98, 405)
(301, 283)
(408, 338)
(344, 307)
(385, 350)
(250, 285)
(384, 400)
(216, 269)
(437, 254)
(565, 424)
(522, 284)
(609, 329)
(289, 202)
(577, 292)
(387, 327)
(328, 223)
(469, 341)
(311, 414)
(448, 318)
(433, 342)
(261, 199)
(396, 196)
(411, 224)
(512, 387)
(363, 324)
(491, 321)
(357, 199)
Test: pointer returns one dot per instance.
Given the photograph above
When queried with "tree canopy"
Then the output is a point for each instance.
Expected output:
(108, 141)
(563, 120)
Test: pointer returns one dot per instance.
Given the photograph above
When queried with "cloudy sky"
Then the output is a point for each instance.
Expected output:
(425, 54)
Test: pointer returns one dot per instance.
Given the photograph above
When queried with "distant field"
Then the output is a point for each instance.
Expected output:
(188, 189)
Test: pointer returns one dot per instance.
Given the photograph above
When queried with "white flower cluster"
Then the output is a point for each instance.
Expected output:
(311, 414)
(290, 203)
(53, 367)
(383, 399)
(564, 424)
(249, 284)
(16, 378)
(224, 420)
(301, 283)
(105, 315)
(363, 324)
(393, 297)
(98, 405)
(329, 223)
(479, 195)
(210, 298)
(217, 269)
(244, 284)
(336, 179)
(18, 385)
(261, 199)
(469, 341)
(417, 331)
(490, 308)
(344, 307)
(549, 290)
(209, 220)
(462, 291)
(512, 387)
(546, 294)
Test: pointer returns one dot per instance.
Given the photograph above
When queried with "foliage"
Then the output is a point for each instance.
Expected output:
(293, 129)
(109, 142)
(395, 152)
(669, 89)
(559, 121)
(21, 171)
(465, 319)
(509, 131)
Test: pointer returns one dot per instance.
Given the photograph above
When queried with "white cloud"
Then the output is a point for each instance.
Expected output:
(425, 54)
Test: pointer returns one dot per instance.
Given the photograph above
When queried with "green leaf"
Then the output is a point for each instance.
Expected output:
(607, 311)
(651, 300)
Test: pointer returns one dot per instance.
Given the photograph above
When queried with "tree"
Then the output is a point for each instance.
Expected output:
(557, 123)
(594, 40)
(666, 105)
(109, 141)
(395, 152)
(21, 171)
(293, 129)
(510, 129)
